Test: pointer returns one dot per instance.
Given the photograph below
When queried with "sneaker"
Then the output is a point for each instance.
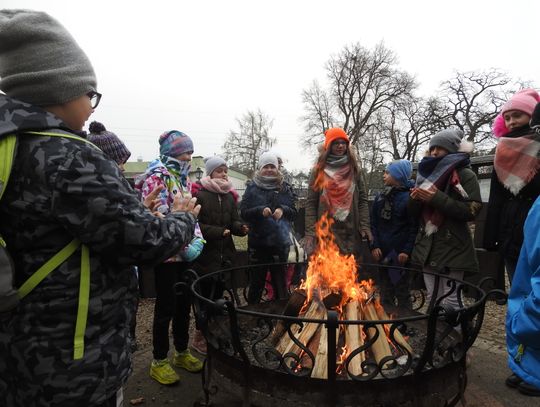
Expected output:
(528, 389)
(187, 361)
(162, 372)
(513, 381)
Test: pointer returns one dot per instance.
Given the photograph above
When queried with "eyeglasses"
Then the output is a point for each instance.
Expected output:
(95, 97)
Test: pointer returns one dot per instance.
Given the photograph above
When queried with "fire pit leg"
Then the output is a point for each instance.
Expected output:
(332, 326)
(206, 378)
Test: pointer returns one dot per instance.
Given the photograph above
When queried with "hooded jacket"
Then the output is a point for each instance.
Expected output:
(523, 316)
(60, 189)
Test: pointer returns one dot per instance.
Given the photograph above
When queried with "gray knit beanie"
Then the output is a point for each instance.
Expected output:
(268, 158)
(40, 62)
(449, 139)
(211, 163)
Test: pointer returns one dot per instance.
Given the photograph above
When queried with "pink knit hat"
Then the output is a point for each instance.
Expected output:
(525, 101)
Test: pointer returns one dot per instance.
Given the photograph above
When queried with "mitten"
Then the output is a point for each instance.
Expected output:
(193, 249)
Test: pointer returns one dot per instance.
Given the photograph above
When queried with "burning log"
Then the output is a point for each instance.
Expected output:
(292, 309)
(353, 337)
(380, 347)
(400, 340)
(316, 311)
(320, 370)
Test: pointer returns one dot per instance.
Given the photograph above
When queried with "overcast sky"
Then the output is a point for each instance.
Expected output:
(195, 66)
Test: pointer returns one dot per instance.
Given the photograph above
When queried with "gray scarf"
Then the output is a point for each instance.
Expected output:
(337, 161)
(268, 182)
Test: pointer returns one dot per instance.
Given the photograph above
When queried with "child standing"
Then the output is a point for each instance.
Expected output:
(171, 171)
(219, 221)
(515, 180)
(337, 186)
(394, 232)
(269, 206)
(446, 197)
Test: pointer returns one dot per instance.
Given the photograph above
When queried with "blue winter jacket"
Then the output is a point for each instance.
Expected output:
(399, 231)
(268, 232)
(523, 316)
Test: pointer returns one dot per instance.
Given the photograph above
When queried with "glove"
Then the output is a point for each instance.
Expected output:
(193, 249)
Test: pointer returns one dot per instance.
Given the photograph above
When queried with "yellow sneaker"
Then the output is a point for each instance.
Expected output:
(162, 372)
(187, 361)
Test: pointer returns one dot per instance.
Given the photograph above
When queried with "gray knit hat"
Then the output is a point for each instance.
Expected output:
(40, 62)
(449, 139)
(211, 163)
(268, 158)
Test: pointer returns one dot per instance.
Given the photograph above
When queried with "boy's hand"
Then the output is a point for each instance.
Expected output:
(267, 212)
(151, 200)
(181, 204)
(226, 233)
(377, 254)
(403, 258)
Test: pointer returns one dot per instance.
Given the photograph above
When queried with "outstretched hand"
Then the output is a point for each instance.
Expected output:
(151, 200)
(185, 204)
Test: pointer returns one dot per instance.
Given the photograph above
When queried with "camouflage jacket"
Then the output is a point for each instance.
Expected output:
(59, 189)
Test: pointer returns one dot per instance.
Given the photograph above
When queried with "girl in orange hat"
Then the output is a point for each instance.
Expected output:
(338, 187)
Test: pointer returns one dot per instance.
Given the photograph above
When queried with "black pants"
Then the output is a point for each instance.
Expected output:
(399, 290)
(258, 274)
(171, 305)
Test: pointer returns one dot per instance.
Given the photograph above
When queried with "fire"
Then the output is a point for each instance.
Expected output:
(332, 283)
(330, 272)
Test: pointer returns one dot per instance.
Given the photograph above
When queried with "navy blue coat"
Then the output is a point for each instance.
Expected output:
(397, 233)
(267, 232)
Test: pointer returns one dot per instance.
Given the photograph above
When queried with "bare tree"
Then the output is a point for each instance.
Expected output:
(472, 101)
(243, 147)
(406, 126)
(361, 82)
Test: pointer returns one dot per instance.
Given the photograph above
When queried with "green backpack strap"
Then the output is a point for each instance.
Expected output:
(7, 150)
(61, 256)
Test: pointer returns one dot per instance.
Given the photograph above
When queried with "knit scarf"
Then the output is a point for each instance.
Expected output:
(265, 182)
(388, 202)
(440, 173)
(338, 186)
(517, 159)
(179, 171)
(217, 185)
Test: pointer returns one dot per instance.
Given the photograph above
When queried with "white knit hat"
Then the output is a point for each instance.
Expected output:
(211, 163)
(268, 158)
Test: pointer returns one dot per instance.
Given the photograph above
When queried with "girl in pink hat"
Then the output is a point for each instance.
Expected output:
(515, 181)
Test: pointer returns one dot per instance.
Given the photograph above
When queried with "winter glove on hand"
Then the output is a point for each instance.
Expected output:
(193, 249)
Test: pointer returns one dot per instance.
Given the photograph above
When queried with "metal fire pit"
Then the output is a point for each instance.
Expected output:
(243, 363)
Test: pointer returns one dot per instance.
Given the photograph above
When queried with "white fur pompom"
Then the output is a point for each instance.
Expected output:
(466, 146)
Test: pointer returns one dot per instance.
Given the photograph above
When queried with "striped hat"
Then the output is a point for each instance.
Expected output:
(174, 143)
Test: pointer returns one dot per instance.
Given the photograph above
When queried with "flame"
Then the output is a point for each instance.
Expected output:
(329, 271)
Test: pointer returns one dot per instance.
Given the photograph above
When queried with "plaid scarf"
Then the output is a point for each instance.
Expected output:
(440, 173)
(517, 160)
(337, 192)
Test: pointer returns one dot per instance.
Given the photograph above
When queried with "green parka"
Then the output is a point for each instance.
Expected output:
(348, 233)
(452, 245)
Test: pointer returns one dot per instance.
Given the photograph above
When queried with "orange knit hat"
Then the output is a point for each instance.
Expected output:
(333, 134)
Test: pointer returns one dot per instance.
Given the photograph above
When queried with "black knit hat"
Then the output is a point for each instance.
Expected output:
(108, 142)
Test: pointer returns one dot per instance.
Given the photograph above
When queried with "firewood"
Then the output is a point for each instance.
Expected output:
(380, 347)
(332, 300)
(320, 370)
(316, 311)
(292, 309)
(400, 340)
(353, 339)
